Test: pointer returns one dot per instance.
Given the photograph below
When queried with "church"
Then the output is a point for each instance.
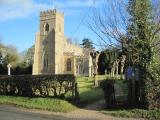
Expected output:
(53, 54)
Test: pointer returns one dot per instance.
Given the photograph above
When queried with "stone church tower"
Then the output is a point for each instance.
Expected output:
(53, 55)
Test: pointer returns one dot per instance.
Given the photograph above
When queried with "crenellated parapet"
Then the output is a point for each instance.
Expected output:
(50, 12)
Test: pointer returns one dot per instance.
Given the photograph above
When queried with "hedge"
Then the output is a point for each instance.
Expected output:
(37, 85)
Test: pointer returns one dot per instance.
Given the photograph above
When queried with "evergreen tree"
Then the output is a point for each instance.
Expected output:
(141, 50)
(106, 58)
(87, 43)
(139, 30)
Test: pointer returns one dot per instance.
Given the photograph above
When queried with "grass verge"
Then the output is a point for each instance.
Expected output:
(135, 113)
(49, 104)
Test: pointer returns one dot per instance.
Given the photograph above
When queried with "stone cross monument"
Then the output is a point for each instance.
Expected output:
(9, 69)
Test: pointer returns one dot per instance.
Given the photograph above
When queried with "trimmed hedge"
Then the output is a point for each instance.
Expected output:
(37, 85)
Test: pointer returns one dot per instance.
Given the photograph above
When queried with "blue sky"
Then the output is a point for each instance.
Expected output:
(19, 19)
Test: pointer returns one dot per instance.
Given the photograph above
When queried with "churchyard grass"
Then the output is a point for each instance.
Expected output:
(124, 111)
(87, 92)
(135, 113)
(49, 104)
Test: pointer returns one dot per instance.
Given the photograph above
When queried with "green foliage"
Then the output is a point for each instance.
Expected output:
(22, 69)
(142, 36)
(21, 64)
(10, 58)
(139, 33)
(106, 58)
(109, 92)
(8, 54)
(44, 85)
(87, 43)
(152, 86)
(87, 92)
(105, 84)
(102, 63)
(25, 65)
(55, 105)
(112, 54)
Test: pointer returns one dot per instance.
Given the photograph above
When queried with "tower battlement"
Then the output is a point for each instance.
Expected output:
(49, 12)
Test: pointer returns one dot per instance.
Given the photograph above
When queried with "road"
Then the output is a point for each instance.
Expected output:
(10, 112)
(13, 113)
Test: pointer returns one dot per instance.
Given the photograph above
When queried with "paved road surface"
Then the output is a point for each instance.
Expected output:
(8, 112)
(11, 113)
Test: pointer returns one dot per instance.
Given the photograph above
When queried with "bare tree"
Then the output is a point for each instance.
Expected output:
(109, 23)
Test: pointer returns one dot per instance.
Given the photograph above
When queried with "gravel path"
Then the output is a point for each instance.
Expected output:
(92, 112)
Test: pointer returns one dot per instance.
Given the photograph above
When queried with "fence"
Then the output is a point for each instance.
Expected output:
(38, 85)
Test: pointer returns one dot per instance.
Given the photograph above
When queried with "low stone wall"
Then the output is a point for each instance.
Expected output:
(38, 85)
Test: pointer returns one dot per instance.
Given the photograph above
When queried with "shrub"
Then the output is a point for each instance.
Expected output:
(109, 93)
(37, 85)
(152, 87)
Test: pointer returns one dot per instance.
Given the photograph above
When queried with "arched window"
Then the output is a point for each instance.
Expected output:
(69, 62)
(46, 27)
(45, 61)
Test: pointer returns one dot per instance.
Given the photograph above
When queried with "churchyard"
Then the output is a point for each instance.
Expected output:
(88, 94)
(122, 79)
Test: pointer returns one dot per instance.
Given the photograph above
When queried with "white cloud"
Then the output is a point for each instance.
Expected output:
(12, 9)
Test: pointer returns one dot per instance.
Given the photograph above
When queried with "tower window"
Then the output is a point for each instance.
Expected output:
(69, 62)
(47, 27)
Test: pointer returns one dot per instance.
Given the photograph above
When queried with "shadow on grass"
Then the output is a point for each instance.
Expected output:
(132, 111)
(88, 97)
(123, 106)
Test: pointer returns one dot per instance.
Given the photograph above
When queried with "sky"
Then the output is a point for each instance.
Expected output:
(19, 19)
